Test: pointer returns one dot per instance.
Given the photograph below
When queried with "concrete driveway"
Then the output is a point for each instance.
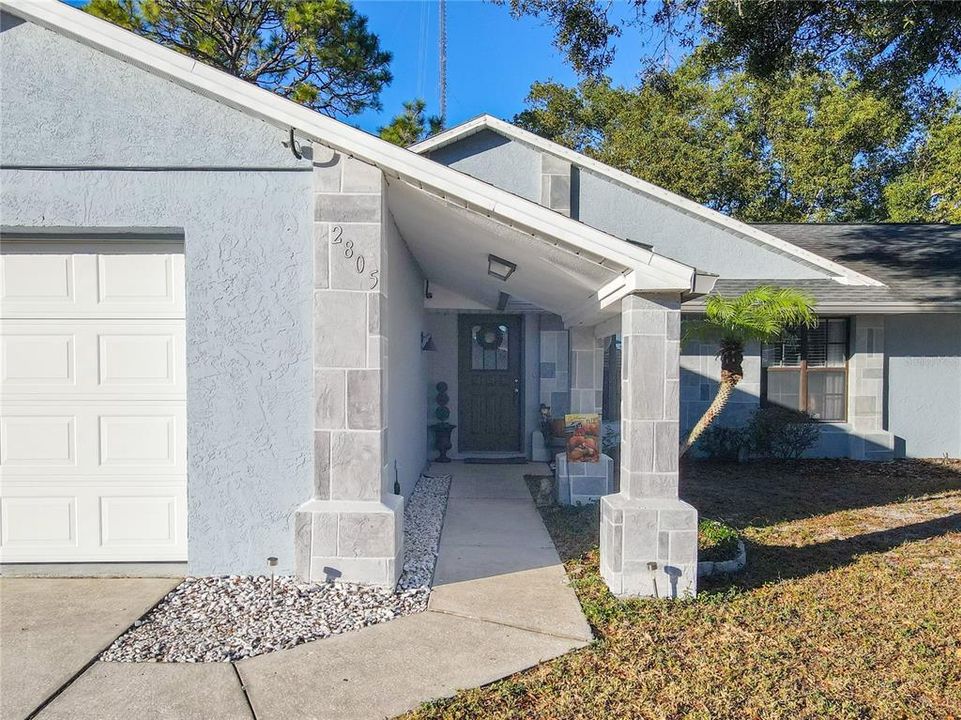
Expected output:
(52, 628)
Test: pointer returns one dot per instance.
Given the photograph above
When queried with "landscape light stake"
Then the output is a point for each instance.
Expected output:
(272, 562)
(652, 566)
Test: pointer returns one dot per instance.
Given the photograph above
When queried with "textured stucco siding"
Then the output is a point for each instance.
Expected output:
(407, 386)
(923, 354)
(628, 214)
(248, 243)
(442, 367)
(621, 211)
(64, 103)
(491, 157)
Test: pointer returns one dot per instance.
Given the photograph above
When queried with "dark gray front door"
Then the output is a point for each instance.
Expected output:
(490, 368)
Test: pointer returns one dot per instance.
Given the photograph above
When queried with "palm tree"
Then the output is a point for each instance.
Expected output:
(759, 315)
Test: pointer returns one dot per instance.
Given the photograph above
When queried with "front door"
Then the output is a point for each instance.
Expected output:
(490, 368)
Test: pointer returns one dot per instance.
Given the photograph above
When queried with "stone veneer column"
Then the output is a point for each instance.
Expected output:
(869, 441)
(579, 482)
(646, 522)
(352, 529)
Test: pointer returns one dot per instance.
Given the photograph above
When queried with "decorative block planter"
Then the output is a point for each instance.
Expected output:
(724, 567)
(580, 483)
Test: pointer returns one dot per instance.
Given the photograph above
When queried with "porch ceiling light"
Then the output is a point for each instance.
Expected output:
(499, 267)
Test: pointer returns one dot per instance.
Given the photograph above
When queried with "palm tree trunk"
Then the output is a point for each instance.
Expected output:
(724, 391)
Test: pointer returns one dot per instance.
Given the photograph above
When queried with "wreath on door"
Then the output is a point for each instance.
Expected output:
(489, 337)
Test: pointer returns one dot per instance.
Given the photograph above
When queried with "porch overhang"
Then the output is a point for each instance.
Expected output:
(563, 266)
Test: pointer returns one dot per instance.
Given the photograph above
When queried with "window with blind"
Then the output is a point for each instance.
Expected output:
(807, 370)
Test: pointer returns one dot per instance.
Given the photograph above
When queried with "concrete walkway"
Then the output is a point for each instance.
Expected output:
(500, 604)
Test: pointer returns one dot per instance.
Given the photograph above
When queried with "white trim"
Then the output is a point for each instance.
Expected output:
(663, 272)
(845, 275)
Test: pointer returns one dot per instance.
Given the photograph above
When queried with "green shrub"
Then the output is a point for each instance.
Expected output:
(716, 541)
(722, 443)
(781, 433)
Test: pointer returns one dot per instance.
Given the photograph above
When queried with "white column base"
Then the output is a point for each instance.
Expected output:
(635, 533)
(355, 541)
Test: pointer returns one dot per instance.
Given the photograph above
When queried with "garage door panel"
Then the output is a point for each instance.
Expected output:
(38, 522)
(37, 441)
(36, 280)
(138, 520)
(107, 279)
(37, 360)
(93, 402)
(81, 521)
(95, 359)
(95, 439)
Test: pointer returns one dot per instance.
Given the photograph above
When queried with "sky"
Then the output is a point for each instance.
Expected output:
(492, 59)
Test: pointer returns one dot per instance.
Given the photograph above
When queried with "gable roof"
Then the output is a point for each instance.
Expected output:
(919, 262)
(643, 268)
(843, 274)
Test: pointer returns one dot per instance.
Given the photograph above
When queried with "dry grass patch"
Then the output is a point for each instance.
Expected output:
(850, 607)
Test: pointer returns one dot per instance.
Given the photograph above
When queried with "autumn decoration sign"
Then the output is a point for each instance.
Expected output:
(583, 437)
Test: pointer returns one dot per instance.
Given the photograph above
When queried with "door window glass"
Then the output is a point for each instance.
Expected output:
(489, 347)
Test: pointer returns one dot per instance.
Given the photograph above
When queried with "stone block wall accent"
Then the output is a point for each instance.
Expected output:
(587, 370)
(869, 441)
(579, 483)
(556, 183)
(352, 528)
(648, 535)
(700, 377)
(554, 365)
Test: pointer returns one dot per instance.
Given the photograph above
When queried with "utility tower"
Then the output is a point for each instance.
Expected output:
(442, 63)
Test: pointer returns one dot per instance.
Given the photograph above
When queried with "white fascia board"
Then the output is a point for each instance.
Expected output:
(662, 272)
(843, 275)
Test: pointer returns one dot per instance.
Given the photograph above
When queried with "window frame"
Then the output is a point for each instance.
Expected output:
(803, 370)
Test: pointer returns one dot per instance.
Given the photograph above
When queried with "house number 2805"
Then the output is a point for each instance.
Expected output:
(360, 262)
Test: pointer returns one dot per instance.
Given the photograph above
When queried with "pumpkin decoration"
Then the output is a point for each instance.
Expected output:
(582, 437)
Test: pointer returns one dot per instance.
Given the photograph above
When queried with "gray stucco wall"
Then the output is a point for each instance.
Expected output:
(628, 214)
(442, 367)
(621, 211)
(248, 244)
(491, 157)
(407, 364)
(923, 368)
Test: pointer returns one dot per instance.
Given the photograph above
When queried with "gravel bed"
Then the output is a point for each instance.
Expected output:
(221, 619)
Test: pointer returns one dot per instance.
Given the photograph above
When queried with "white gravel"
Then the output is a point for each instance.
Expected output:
(221, 619)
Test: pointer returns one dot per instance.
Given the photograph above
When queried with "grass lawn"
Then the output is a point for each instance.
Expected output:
(850, 607)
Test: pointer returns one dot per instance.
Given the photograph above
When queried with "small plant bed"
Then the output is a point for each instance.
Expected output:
(716, 541)
(222, 619)
(720, 549)
(847, 610)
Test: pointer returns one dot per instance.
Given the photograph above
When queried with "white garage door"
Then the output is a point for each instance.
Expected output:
(92, 410)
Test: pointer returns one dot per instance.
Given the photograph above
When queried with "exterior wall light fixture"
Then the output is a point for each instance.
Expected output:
(499, 267)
